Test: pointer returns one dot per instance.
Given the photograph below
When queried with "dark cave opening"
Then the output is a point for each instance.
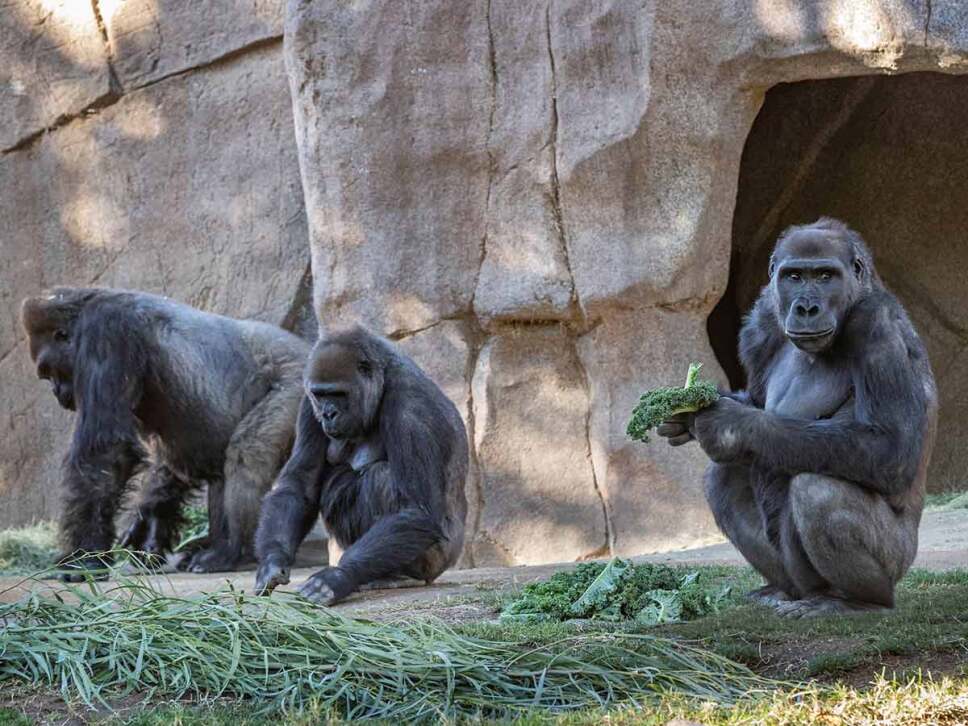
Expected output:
(889, 156)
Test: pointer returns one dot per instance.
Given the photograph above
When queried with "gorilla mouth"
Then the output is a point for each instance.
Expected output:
(809, 335)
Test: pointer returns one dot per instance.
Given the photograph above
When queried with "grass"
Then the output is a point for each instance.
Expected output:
(28, 549)
(285, 653)
(946, 501)
(929, 621)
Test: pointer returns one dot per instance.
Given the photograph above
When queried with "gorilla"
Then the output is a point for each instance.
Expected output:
(818, 468)
(381, 455)
(198, 397)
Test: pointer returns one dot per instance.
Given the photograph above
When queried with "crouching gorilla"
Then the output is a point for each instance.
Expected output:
(201, 397)
(818, 472)
(381, 454)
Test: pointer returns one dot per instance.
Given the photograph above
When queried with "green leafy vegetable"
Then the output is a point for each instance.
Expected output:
(649, 594)
(661, 404)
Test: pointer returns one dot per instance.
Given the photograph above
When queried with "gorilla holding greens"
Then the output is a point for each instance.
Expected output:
(818, 473)
(381, 454)
(199, 398)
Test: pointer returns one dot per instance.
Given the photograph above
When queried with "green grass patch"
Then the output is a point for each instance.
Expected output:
(929, 619)
(28, 549)
(946, 501)
(100, 645)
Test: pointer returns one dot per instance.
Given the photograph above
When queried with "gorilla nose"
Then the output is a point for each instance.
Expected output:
(43, 371)
(807, 310)
(329, 414)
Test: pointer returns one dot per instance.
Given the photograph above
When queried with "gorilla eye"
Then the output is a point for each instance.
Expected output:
(795, 276)
(825, 277)
(60, 335)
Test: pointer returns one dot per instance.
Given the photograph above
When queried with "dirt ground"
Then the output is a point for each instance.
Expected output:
(468, 595)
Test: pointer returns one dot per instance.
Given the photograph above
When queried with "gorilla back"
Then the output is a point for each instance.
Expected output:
(381, 453)
(819, 467)
(201, 397)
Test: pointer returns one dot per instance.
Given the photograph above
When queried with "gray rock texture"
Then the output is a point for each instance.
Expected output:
(187, 187)
(552, 206)
(559, 179)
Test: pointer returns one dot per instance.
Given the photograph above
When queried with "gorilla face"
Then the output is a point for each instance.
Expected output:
(815, 282)
(51, 347)
(344, 387)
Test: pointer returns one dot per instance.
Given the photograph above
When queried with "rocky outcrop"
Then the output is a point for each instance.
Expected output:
(558, 180)
(540, 201)
(187, 186)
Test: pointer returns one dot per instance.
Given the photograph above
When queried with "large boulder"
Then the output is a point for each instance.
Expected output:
(558, 179)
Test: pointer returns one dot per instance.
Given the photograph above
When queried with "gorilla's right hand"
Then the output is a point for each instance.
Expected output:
(678, 429)
(270, 575)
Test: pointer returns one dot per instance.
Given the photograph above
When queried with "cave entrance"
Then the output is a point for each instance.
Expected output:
(889, 156)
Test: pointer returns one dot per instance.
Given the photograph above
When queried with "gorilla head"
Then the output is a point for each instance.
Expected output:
(817, 273)
(48, 321)
(344, 383)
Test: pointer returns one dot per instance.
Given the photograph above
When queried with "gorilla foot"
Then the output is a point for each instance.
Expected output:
(212, 559)
(393, 583)
(327, 587)
(769, 595)
(823, 605)
(82, 568)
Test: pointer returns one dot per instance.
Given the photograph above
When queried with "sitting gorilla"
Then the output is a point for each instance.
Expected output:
(382, 455)
(818, 473)
(213, 399)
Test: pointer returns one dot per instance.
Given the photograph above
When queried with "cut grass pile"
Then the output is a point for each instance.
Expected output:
(647, 594)
(285, 653)
(28, 549)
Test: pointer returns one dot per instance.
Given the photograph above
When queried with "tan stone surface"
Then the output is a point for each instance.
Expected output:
(152, 39)
(53, 63)
(539, 499)
(510, 165)
(189, 188)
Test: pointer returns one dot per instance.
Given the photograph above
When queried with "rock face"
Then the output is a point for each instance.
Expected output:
(557, 181)
(552, 206)
(187, 187)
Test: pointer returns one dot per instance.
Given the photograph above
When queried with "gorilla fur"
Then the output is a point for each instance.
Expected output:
(818, 473)
(199, 397)
(382, 455)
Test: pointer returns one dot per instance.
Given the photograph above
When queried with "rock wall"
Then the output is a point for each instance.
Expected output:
(535, 199)
(538, 197)
(140, 150)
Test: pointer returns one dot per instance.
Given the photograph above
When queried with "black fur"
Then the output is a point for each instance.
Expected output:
(158, 383)
(381, 454)
(819, 467)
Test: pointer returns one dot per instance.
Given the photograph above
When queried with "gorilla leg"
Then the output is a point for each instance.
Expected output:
(159, 513)
(729, 492)
(252, 460)
(382, 536)
(853, 546)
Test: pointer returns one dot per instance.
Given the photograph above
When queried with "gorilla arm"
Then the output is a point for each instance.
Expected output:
(292, 505)
(105, 450)
(880, 446)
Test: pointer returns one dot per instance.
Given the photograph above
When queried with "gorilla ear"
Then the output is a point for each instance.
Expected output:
(859, 268)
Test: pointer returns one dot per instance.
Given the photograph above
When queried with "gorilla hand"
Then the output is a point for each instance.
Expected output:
(720, 429)
(271, 574)
(678, 429)
(326, 587)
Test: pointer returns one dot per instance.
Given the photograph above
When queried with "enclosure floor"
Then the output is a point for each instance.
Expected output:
(474, 594)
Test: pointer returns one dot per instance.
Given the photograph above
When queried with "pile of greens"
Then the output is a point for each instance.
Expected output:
(647, 594)
(128, 640)
(661, 404)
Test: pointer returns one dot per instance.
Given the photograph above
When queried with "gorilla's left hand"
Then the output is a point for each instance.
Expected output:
(720, 429)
